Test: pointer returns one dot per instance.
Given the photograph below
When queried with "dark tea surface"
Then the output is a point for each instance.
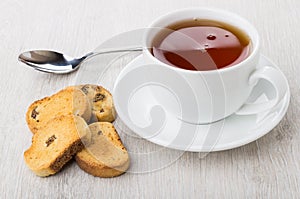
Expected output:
(201, 45)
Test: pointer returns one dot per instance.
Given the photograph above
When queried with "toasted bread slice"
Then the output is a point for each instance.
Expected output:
(54, 144)
(101, 102)
(70, 100)
(105, 156)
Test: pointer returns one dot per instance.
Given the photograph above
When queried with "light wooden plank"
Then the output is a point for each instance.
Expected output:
(267, 168)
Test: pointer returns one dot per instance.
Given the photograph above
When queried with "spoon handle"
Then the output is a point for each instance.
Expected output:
(106, 51)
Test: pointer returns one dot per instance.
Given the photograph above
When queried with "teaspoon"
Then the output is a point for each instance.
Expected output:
(58, 63)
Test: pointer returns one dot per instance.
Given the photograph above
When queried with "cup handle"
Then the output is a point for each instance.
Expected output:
(279, 82)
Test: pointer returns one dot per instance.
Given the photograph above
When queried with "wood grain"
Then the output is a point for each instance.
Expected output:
(266, 168)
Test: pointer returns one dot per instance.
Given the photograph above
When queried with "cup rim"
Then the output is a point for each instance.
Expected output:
(254, 51)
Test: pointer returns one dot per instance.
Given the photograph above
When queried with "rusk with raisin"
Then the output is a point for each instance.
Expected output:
(101, 102)
(54, 144)
(70, 100)
(106, 156)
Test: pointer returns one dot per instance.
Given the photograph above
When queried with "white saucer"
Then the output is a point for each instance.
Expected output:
(145, 117)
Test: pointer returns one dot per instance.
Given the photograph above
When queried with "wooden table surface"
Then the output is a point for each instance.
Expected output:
(266, 168)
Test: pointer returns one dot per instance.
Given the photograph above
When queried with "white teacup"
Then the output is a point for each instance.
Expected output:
(209, 96)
